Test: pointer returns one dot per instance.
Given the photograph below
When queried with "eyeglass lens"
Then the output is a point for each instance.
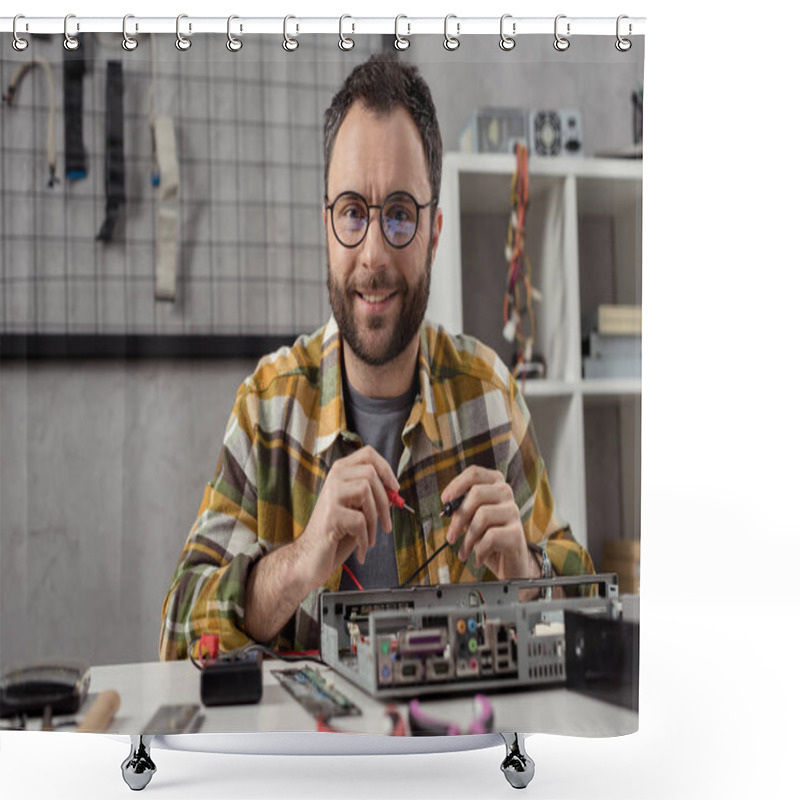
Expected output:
(398, 218)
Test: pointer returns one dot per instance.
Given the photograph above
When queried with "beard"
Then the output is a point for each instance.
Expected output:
(412, 312)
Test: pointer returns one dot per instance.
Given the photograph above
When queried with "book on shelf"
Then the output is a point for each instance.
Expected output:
(628, 151)
(613, 320)
(597, 345)
(623, 556)
(612, 367)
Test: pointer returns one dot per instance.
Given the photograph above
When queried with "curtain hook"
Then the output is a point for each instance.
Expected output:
(561, 43)
(290, 44)
(400, 42)
(233, 44)
(19, 44)
(70, 42)
(451, 42)
(345, 43)
(507, 42)
(129, 43)
(623, 45)
(181, 42)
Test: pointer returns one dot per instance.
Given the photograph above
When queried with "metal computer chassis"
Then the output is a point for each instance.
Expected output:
(457, 637)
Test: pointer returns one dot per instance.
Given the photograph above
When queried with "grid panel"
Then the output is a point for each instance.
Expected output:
(251, 253)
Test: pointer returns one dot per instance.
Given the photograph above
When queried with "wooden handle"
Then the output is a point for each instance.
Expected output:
(101, 712)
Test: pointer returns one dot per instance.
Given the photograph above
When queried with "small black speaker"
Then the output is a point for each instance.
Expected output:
(232, 681)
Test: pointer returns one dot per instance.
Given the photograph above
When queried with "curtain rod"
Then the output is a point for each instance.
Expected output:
(453, 26)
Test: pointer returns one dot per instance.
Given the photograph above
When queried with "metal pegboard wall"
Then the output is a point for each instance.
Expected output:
(248, 126)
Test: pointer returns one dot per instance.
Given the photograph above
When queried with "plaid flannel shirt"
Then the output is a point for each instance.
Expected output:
(288, 427)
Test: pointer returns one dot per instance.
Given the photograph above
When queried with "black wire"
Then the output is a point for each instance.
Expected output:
(276, 654)
(447, 511)
(436, 553)
(197, 663)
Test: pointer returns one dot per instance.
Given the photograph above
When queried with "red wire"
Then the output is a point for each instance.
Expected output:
(299, 653)
(355, 580)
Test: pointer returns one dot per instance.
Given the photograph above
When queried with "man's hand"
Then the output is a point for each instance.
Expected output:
(345, 517)
(490, 520)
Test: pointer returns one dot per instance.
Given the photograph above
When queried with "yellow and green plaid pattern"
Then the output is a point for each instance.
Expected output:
(288, 427)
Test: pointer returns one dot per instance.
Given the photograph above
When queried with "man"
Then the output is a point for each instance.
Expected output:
(376, 400)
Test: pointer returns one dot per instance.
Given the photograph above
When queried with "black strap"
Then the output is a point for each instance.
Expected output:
(74, 151)
(115, 156)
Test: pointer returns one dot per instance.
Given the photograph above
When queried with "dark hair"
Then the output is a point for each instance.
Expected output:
(382, 83)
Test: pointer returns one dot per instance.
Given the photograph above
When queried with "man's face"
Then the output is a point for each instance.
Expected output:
(379, 293)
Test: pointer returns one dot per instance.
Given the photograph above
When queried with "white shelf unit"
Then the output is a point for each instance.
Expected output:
(573, 417)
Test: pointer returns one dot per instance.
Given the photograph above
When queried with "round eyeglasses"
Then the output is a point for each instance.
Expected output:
(399, 218)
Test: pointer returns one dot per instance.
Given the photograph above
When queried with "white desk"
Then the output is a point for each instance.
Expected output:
(145, 687)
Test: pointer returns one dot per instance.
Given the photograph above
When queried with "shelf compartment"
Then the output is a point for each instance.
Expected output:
(613, 457)
(602, 388)
(558, 422)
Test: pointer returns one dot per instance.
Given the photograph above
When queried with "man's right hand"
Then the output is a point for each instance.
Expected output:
(345, 517)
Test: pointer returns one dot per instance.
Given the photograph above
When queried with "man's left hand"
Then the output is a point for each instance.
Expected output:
(490, 520)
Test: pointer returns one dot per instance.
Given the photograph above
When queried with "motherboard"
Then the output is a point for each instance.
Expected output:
(458, 637)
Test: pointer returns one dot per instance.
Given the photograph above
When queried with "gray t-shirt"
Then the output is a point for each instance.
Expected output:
(379, 421)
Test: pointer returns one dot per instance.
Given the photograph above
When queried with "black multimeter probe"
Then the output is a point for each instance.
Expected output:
(451, 507)
(448, 510)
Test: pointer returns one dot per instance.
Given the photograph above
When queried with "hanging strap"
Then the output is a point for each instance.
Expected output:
(11, 92)
(74, 151)
(115, 157)
(168, 192)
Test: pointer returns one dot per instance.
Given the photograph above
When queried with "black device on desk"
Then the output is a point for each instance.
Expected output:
(603, 658)
(60, 685)
(232, 679)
